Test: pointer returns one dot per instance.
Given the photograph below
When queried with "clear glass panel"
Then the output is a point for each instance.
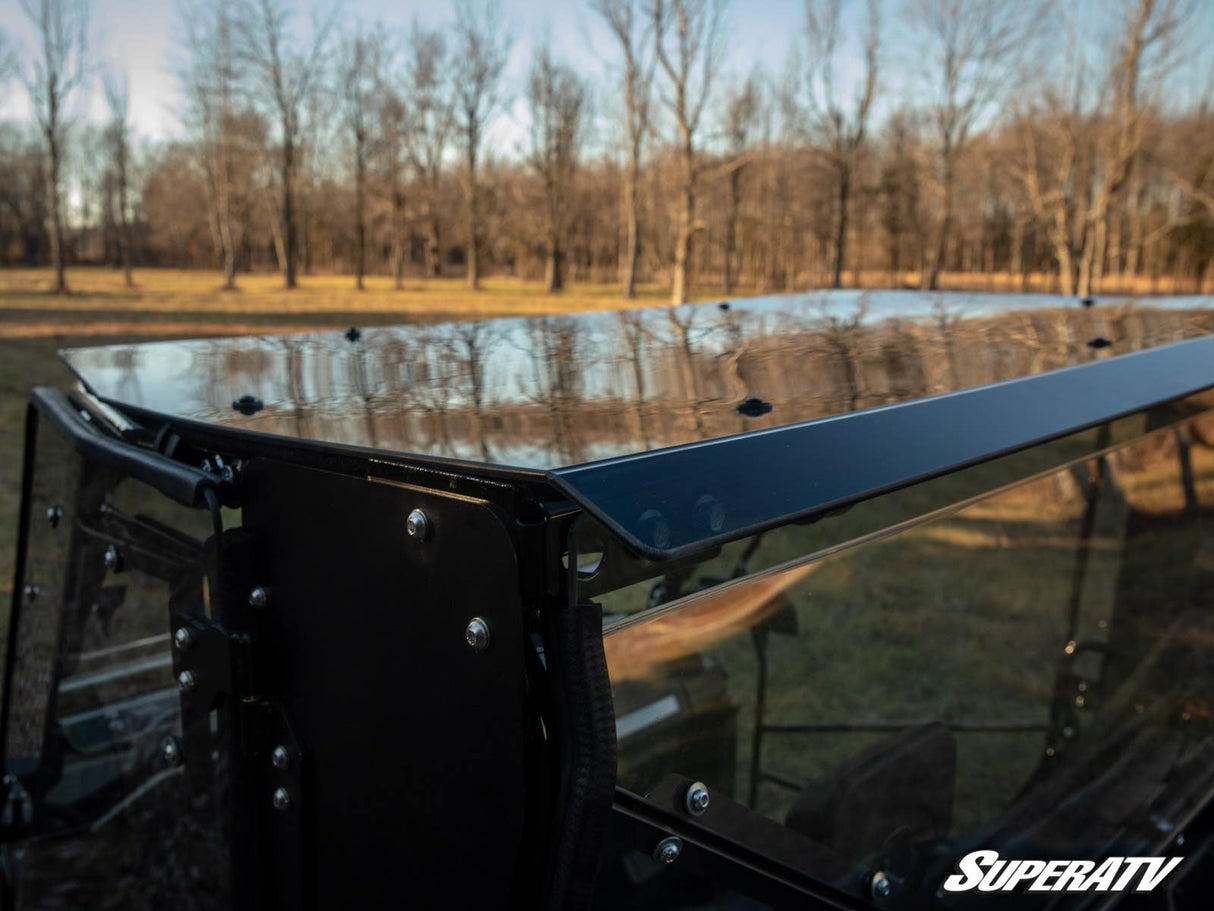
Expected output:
(94, 699)
(626, 585)
(1031, 671)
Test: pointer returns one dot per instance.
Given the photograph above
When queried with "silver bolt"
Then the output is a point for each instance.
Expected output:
(259, 597)
(53, 515)
(418, 525)
(170, 751)
(281, 799)
(879, 885)
(477, 634)
(183, 638)
(113, 559)
(668, 850)
(187, 681)
(696, 799)
(32, 592)
(280, 758)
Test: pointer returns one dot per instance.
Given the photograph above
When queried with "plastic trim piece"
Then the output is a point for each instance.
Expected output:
(671, 503)
(178, 482)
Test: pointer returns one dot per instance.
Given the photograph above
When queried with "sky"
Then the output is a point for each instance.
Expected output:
(143, 37)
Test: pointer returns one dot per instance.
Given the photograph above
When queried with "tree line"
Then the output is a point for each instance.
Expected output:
(902, 140)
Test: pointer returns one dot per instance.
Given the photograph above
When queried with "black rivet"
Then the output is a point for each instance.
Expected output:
(754, 407)
(352, 334)
(1100, 342)
(248, 404)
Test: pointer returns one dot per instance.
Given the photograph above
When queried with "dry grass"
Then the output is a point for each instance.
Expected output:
(168, 302)
(171, 301)
(1033, 283)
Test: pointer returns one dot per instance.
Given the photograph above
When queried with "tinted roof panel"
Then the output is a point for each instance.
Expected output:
(550, 392)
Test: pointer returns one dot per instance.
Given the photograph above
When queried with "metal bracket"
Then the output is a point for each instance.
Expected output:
(209, 664)
(218, 663)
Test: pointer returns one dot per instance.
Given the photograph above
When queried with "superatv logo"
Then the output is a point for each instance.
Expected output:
(986, 871)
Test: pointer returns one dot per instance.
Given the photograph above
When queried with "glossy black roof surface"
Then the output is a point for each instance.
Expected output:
(681, 428)
(542, 393)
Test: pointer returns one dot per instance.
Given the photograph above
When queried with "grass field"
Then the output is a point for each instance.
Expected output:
(171, 301)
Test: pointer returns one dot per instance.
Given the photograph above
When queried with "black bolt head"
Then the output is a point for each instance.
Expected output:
(248, 404)
(754, 407)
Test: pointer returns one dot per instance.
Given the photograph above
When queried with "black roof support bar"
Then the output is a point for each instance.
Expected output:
(672, 502)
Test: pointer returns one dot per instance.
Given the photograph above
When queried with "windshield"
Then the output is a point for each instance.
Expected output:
(1030, 672)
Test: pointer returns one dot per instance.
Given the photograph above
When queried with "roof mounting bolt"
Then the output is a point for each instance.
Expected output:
(281, 798)
(170, 752)
(53, 515)
(259, 596)
(668, 850)
(248, 404)
(183, 638)
(187, 681)
(879, 885)
(477, 634)
(696, 799)
(113, 559)
(280, 758)
(418, 525)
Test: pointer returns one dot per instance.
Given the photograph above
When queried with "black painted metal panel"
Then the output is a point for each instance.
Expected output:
(412, 740)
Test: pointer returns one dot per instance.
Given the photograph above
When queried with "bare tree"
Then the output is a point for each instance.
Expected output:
(1190, 164)
(118, 141)
(839, 124)
(361, 61)
(480, 57)
(59, 67)
(429, 121)
(557, 98)
(687, 50)
(899, 193)
(1078, 147)
(392, 115)
(631, 33)
(1195, 190)
(213, 83)
(743, 107)
(286, 75)
(8, 59)
(970, 49)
